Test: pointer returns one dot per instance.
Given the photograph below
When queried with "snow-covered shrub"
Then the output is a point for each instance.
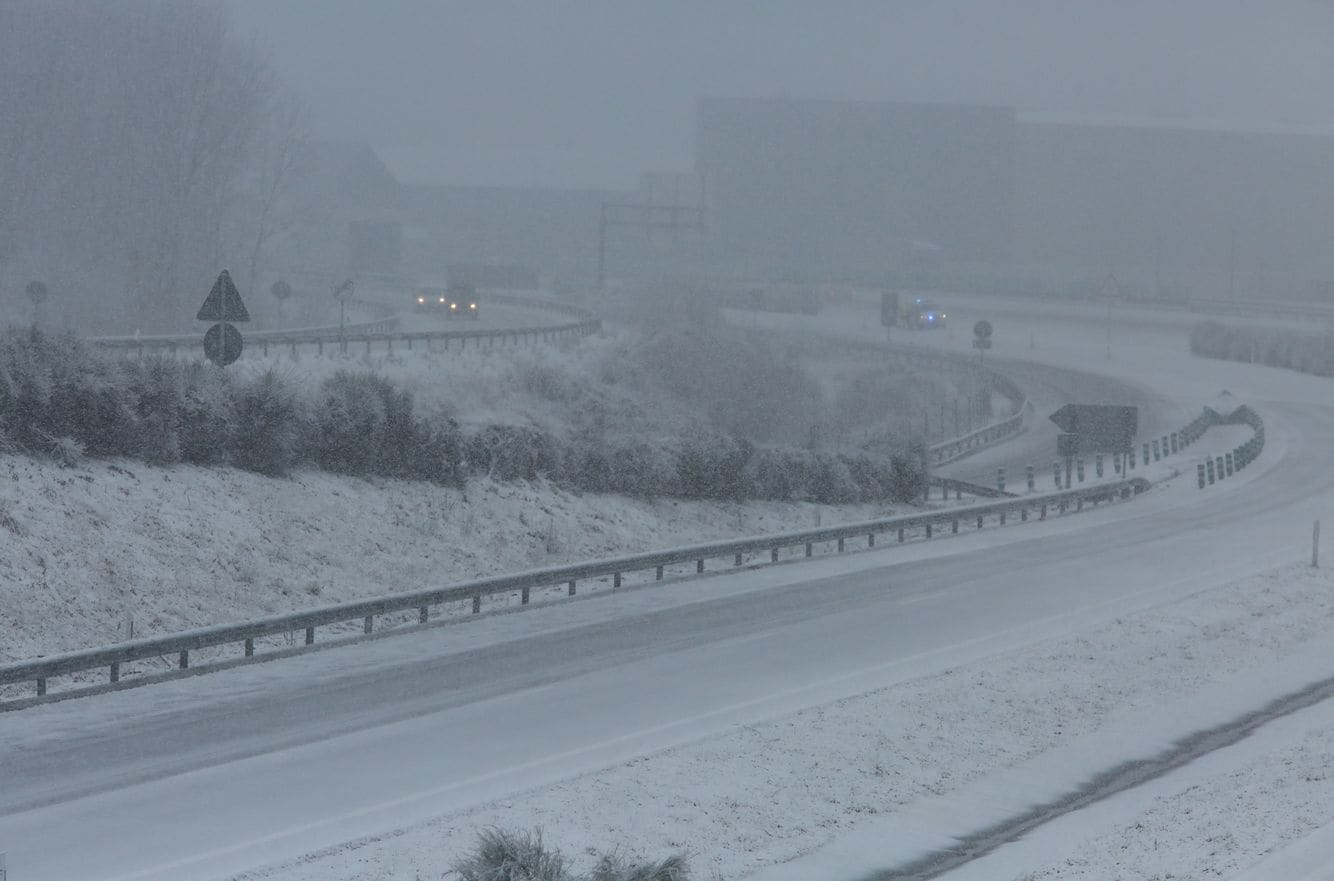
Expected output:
(54, 387)
(206, 414)
(613, 867)
(266, 432)
(351, 415)
(642, 467)
(157, 385)
(511, 452)
(711, 466)
(501, 855)
(509, 856)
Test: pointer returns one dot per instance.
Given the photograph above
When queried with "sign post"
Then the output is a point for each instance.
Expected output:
(982, 337)
(222, 343)
(342, 293)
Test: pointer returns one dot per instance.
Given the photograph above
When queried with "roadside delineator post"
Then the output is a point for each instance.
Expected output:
(1000, 479)
(1156, 453)
(1174, 439)
(1199, 473)
(1028, 474)
(1079, 470)
(1209, 467)
(1229, 463)
(1146, 452)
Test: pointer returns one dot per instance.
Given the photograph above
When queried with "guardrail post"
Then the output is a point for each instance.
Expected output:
(840, 546)
(870, 539)
(1174, 439)
(41, 686)
(477, 604)
(115, 671)
(808, 549)
(928, 530)
(571, 587)
(979, 521)
(1000, 479)
(1156, 455)
(1079, 470)
(184, 660)
(1097, 464)
(1042, 512)
(1028, 476)
(1221, 473)
(1056, 473)
(1146, 453)
(1199, 473)
(523, 596)
(1023, 515)
(1209, 467)
(615, 580)
(368, 624)
(1229, 462)
(310, 636)
(423, 614)
(1002, 518)
(699, 564)
(1116, 464)
(657, 574)
(900, 535)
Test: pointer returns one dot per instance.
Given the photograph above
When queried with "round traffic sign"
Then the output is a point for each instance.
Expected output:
(281, 290)
(37, 291)
(222, 344)
(982, 329)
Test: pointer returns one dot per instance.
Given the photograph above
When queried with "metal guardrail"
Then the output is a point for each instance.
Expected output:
(40, 670)
(381, 331)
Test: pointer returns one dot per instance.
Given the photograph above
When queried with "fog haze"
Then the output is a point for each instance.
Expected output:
(589, 94)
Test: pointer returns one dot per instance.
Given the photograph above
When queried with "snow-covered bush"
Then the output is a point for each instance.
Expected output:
(266, 435)
(511, 452)
(501, 855)
(1294, 350)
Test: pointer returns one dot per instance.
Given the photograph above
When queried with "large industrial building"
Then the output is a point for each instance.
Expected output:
(978, 196)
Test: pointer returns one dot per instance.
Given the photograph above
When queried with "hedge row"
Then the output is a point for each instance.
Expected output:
(1294, 350)
(59, 397)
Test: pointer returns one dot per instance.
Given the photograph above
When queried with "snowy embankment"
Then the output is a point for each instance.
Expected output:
(87, 553)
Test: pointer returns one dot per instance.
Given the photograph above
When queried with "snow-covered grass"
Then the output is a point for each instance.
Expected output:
(88, 552)
(771, 792)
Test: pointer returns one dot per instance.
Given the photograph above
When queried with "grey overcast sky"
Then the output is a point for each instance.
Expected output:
(573, 93)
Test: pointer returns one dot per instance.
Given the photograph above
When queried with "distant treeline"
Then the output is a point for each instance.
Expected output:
(1294, 350)
(60, 398)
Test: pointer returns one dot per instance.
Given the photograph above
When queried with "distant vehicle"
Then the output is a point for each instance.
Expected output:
(461, 300)
(458, 299)
(917, 313)
(431, 301)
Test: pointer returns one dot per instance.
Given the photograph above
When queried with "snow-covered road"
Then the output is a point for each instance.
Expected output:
(207, 777)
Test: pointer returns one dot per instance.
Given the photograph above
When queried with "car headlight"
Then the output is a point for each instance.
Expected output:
(421, 299)
(442, 299)
(472, 305)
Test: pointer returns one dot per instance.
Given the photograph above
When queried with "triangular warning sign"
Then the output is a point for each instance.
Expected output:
(1111, 288)
(224, 302)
